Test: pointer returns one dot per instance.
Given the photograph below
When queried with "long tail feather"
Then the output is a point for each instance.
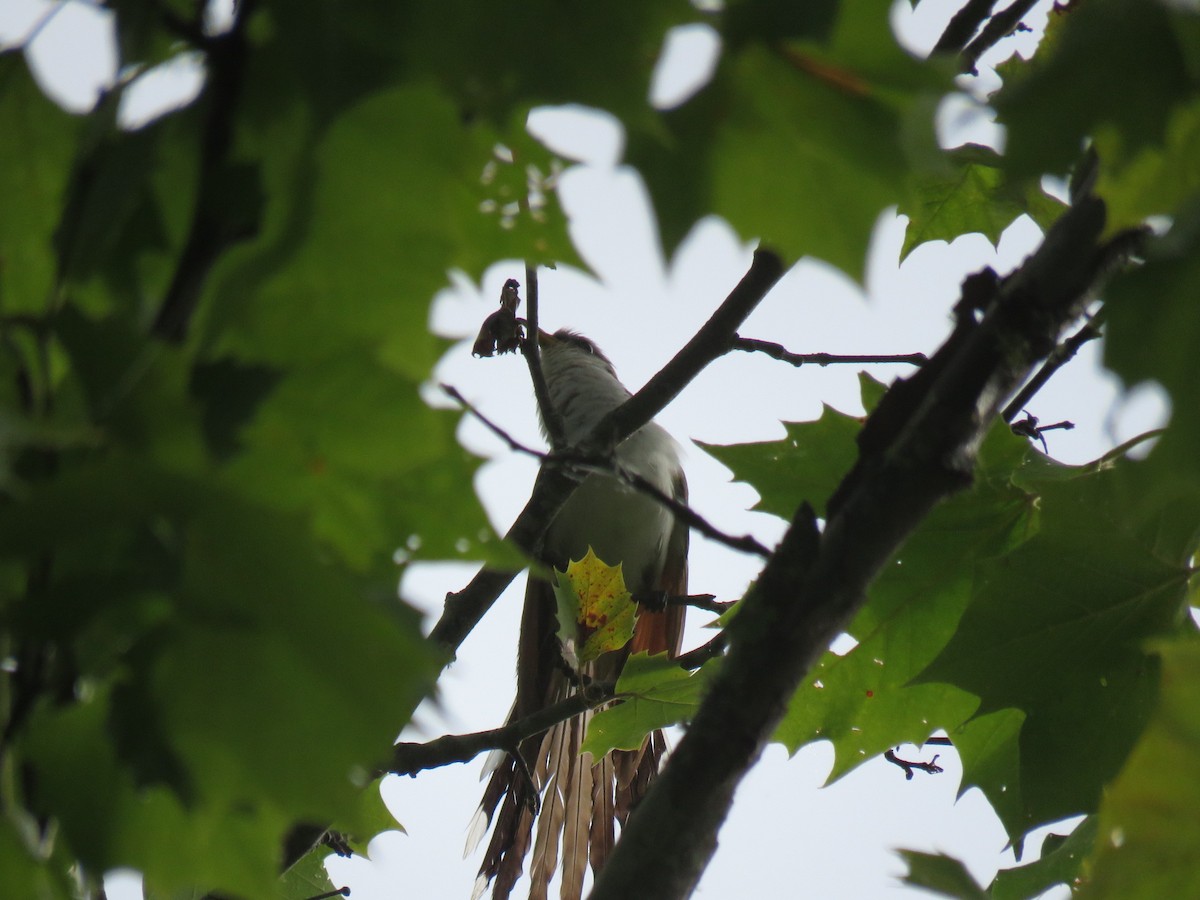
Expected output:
(582, 799)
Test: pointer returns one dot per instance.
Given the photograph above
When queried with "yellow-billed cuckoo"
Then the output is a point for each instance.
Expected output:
(582, 798)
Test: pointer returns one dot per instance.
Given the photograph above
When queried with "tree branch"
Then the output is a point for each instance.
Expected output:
(712, 340)
(554, 484)
(212, 229)
(551, 418)
(781, 353)
(917, 447)
(584, 465)
(997, 29)
(1062, 354)
(963, 26)
(411, 758)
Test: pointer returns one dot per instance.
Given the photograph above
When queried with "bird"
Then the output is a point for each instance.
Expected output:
(583, 799)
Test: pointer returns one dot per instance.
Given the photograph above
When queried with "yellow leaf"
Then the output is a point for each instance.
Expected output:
(596, 613)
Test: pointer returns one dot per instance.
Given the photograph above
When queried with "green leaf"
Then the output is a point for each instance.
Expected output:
(808, 464)
(24, 874)
(1048, 116)
(1073, 603)
(656, 693)
(307, 878)
(1060, 863)
(989, 746)
(108, 822)
(826, 126)
(865, 701)
(972, 196)
(349, 444)
(37, 144)
(1155, 180)
(473, 51)
(943, 875)
(1151, 333)
(1148, 831)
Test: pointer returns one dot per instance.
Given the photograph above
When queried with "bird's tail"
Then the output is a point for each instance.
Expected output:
(564, 803)
(582, 800)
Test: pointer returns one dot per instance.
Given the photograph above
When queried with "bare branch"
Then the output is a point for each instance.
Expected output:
(533, 357)
(411, 758)
(781, 353)
(930, 768)
(713, 648)
(1062, 354)
(586, 465)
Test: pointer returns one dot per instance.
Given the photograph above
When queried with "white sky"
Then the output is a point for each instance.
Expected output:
(785, 836)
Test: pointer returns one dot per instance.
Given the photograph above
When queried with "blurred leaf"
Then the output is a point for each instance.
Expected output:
(1148, 831)
(942, 875)
(258, 598)
(24, 874)
(108, 822)
(826, 126)
(1047, 115)
(657, 693)
(37, 144)
(764, 21)
(349, 444)
(1152, 330)
(502, 57)
(1155, 180)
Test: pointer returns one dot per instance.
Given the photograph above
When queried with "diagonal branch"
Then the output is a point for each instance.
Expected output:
(411, 758)
(212, 229)
(781, 353)
(712, 340)
(551, 417)
(1062, 355)
(744, 544)
(554, 484)
(917, 448)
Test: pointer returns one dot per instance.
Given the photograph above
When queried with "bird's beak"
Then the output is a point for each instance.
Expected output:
(546, 339)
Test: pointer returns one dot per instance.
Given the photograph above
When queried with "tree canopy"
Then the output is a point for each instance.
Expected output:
(213, 332)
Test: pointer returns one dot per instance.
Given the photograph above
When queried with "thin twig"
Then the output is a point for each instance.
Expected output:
(585, 464)
(705, 602)
(464, 609)
(711, 341)
(781, 353)
(551, 417)
(1062, 354)
(410, 758)
(999, 27)
(513, 444)
(694, 659)
(931, 767)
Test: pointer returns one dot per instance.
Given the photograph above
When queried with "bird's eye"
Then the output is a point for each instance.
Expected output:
(588, 346)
